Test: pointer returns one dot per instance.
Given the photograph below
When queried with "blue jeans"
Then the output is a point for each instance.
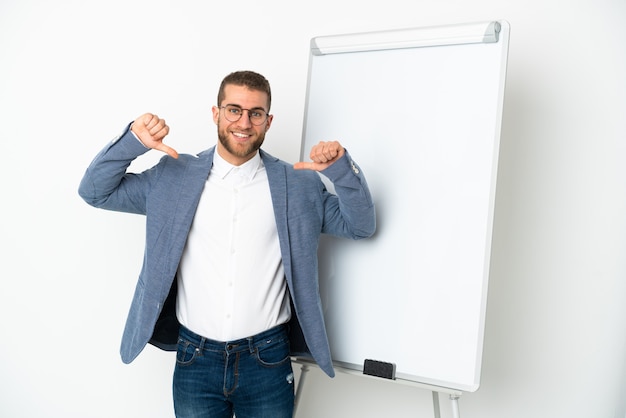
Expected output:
(251, 377)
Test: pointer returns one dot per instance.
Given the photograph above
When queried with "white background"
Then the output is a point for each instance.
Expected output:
(73, 73)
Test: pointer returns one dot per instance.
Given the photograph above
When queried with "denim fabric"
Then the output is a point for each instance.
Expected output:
(250, 378)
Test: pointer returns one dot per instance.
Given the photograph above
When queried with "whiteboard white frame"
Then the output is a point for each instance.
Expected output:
(485, 39)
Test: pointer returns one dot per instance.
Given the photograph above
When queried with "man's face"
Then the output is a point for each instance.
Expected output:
(239, 141)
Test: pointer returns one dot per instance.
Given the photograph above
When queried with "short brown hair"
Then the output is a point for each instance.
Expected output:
(249, 79)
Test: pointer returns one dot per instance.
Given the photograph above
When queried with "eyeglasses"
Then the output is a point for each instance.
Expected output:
(233, 113)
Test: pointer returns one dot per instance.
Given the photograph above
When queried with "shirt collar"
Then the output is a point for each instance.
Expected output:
(223, 169)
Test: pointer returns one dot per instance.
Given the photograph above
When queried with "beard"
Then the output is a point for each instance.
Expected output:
(244, 151)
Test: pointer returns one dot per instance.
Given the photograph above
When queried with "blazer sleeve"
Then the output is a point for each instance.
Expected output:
(106, 183)
(351, 212)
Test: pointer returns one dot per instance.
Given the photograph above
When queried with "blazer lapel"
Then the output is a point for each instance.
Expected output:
(277, 178)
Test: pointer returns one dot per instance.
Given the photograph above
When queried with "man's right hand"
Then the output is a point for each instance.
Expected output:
(151, 130)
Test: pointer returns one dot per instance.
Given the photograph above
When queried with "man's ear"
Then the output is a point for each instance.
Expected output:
(268, 123)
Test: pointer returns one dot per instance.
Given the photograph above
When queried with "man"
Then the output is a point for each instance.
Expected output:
(230, 278)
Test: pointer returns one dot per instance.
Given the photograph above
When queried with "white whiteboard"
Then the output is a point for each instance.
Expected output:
(419, 110)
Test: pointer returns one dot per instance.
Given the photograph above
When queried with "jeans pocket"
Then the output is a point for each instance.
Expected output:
(273, 354)
(186, 352)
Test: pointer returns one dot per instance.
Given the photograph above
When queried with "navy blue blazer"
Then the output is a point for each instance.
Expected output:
(168, 195)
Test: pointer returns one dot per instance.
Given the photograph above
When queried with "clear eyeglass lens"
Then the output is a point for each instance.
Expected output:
(233, 114)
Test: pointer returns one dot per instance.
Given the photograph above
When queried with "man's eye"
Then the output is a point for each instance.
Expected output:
(234, 111)
(255, 114)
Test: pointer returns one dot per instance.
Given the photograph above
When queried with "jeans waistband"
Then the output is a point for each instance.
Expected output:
(243, 344)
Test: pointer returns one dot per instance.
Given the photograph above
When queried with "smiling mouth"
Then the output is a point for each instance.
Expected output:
(241, 136)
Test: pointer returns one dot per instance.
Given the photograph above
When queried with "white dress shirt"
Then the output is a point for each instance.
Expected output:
(231, 281)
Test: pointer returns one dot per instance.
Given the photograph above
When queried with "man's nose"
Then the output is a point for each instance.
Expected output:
(244, 120)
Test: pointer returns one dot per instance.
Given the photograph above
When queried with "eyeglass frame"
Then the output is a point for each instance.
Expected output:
(256, 109)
